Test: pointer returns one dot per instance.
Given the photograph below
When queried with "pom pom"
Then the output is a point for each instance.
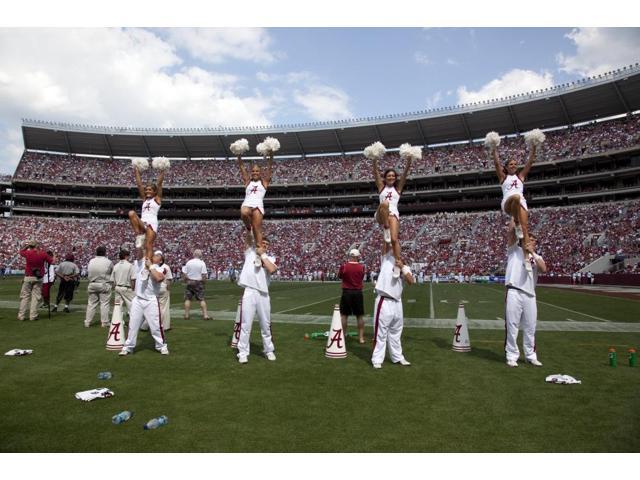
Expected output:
(535, 137)
(375, 151)
(239, 146)
(268, 146)
(492, 140)
(407, 151)
(140, 163)
(161, 163)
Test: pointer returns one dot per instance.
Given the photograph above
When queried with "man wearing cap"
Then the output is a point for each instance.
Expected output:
(31, 291)
(99, 289)
(123, 277)
(195, 274)
(352, 302)
(68, 273)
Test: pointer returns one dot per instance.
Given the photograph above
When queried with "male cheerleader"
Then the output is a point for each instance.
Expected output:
(521, 308)
(388, 319)
(146, 304)
(255, 281)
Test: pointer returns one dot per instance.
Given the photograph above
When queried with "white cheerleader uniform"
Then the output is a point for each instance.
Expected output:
(391, 195)
(254, 195)
(512, 185)
(149, 217)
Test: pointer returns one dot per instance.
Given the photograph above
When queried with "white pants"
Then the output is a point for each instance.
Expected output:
(520, 311)
(148, 310)
(98, 294)
(388, 323)
(165, 311)
(254, 301)
(124, 295)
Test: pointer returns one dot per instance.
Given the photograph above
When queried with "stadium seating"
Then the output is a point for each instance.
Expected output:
(565, 143)
(447, 243)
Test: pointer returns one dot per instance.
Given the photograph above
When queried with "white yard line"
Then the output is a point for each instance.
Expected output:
(574, 311)
(500, 318)
(432, 312)
(310, 304)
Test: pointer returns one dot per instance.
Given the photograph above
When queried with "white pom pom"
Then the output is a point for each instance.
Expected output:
(272, 144)
(140, 163)
(268, 147)
(535, 137)
(492, 139)
(161, 163)
(407, 151)
(375, 151)
(239, 146)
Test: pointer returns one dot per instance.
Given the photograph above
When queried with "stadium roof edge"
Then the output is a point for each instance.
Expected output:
(612, 93)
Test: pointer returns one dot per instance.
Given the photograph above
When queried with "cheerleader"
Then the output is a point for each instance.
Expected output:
(512, 182)
(146, 225)
(256, 184)
(389, 190)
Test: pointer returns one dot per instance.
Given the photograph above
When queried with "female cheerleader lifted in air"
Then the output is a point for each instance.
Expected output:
(512, 182)
(390, 189)
(256, 184)
(146, 225)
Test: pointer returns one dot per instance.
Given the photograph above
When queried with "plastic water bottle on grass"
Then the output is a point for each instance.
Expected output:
(156, 422)
(104, 375)
(122, 417)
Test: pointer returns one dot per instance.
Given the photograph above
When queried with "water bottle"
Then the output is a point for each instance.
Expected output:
(156, 422)
(633, 357)
(104, 375)
(613, 357)
(121, 417)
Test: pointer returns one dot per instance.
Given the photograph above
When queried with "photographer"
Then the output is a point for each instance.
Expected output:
(32, 284)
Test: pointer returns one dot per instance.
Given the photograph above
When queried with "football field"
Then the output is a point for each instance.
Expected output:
(304, 402)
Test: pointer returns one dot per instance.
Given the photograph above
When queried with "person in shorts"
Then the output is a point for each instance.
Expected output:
(352, 302)
(195, 274)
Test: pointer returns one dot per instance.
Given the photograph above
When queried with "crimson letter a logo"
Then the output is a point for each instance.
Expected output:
(337, 338)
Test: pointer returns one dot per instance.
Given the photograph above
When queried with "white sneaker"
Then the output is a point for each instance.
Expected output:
(377, 365)
(512, 363)
(140, 240)
(396, 272)
(535, 362)
(519, 232)
(164, 350)
(270, 356)
(404, 362)
(243, 359)
(257, 262)
(124, 352)
(387, 234)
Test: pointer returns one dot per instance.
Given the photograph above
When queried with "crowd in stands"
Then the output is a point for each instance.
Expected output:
(565, 143)
(445, 243)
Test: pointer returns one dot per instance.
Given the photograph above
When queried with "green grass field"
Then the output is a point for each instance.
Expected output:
(303, 402)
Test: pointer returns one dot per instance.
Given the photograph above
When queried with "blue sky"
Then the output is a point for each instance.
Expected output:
(192, 77)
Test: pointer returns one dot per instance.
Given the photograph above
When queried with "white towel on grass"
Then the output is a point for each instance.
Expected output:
(563, 379)
(89, 395)
(18, 352)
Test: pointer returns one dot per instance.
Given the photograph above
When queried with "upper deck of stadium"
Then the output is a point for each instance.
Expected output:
(609, 94)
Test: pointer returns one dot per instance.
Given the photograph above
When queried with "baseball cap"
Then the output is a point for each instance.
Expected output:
(354, 252)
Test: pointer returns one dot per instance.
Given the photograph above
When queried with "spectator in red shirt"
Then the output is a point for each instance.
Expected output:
(351, 302)
(32, 284)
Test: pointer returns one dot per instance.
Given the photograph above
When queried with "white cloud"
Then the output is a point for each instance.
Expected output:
(452, 61)
(434, 100)
(512, 82)
(422, 58)
(290, 77)
(112, 77)
(600, 50)
(215, 45)
(323, 102)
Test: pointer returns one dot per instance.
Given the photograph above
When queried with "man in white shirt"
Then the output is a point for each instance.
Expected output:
(123, 277)
(521, 309)
(387, 309)
(195, 274)
(99, 289)
(165, 298)
(255, 300)
(146, 304)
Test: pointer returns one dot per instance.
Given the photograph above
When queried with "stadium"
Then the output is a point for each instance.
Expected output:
(74, 185)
